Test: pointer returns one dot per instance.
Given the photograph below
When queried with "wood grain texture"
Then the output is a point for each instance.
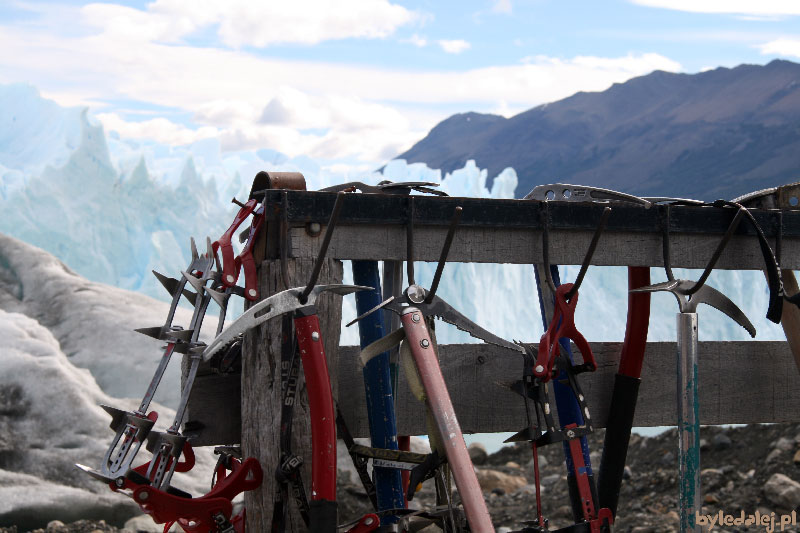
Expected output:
(260, 398)
(524, 246)
(740, 382)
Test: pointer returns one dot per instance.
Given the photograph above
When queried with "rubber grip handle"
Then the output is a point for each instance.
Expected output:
(320, 404)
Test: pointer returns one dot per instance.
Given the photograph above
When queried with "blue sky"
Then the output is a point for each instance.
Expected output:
(351, 83)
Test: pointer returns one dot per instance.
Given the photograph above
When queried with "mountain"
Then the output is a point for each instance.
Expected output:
(716, 134)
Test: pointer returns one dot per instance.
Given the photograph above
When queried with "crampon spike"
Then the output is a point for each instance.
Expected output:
(194, 281)
(171, 284)
(220, 297)
(195, 255)
(154, 332)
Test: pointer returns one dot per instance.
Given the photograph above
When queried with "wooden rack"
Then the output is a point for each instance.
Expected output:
(741, 382)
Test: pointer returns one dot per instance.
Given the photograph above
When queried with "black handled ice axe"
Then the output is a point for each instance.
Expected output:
(690, 294)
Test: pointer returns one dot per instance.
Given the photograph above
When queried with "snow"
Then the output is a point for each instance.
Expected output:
(50, 420)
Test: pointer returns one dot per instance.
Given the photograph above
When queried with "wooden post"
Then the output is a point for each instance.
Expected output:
(261, 388)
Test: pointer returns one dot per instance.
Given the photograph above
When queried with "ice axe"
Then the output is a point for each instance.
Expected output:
(783, 197)
(689, 295)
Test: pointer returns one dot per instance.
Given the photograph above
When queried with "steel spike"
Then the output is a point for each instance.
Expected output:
(197, 283)
(171, 284)
(195, 255)
(191, 296)
(220, 297)
(209, 248)
(154, 332)
(379, 306)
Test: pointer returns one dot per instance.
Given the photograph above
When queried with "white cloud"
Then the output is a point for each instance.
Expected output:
(782, 47)
(416, 40)
(159, 129)
(502, 6)
(249, 101)
(732, 7)
(455, 46)
(247, 23)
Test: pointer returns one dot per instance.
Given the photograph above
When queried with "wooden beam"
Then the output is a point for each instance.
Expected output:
(523, 246)
(741, 382)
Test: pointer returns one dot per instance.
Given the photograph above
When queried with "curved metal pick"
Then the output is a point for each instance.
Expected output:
(688, 302)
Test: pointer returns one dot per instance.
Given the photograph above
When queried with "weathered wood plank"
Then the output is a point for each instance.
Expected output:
(524, 246)
(261, 387)
(740, 382)
(219, 394)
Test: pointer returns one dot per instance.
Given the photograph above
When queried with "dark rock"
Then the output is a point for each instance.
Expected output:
(477, 453)
(721, 441)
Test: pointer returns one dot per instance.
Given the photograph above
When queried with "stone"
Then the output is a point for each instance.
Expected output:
(627, 473)
(784, 444)
(489, 480)
(782, 491)
(543, 463)
(668, 458)
(55, 526)
(797, 458)
(552, 478)
(721, 441)
(144, 524)
(477, 453)
(704, 445)
(512, 464)
(774, 455)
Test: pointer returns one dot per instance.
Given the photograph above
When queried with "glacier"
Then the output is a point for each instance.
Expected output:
(113, 209)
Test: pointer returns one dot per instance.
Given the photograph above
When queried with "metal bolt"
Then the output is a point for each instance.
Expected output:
(120, 482)
(144, 495)
(313, 228)
(368, 521)
(252, 292)
(314, 336)
(424, 343)
(570, 434)
(539, 369)
(415, 317)
(481, 359)
(229, 278)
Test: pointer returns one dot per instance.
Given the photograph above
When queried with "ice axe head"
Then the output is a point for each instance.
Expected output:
(689, 298)
(278, 304)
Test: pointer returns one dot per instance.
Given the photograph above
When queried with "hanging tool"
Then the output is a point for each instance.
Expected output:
(569, 409)
(322, 510)
(783, 197)
(420, 362)
(626, 390)
(380, 374)
(689, 295)
(538, 372)
(133, 427)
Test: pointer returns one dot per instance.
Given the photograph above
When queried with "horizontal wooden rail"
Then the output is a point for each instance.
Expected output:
(741, 382)
(509, 245)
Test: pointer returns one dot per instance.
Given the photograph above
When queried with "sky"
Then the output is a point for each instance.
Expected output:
(353, 83)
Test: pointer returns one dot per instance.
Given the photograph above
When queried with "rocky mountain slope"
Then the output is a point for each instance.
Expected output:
(715, 134)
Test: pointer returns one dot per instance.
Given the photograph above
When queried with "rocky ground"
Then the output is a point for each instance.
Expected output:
(752, 468)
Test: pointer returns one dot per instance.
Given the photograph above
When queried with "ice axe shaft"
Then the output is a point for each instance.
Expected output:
(688, 422)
